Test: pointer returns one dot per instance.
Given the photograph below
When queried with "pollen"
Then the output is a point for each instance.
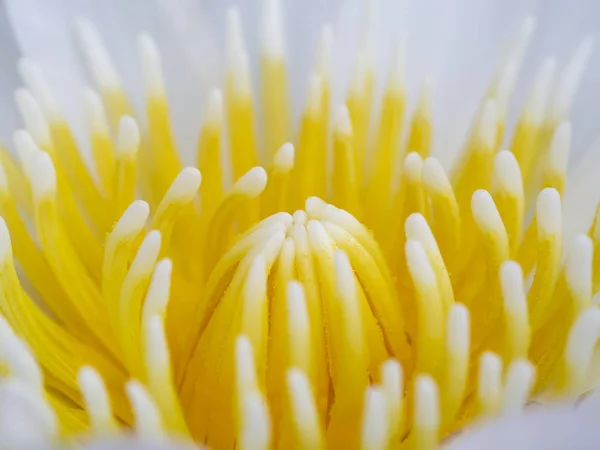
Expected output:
(339, 288)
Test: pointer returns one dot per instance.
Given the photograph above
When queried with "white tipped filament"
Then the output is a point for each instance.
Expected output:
(489, 383)
(519, 382)
(427, 413)
(307, 428)
(516, 323)
(375, 425)
(33, 117)
(148, 423)
(96, 400)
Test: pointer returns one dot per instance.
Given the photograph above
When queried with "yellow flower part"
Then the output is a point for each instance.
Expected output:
(303, 306)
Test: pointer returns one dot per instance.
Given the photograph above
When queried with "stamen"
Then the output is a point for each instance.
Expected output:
(517, 334)
(307, 431)
(489, 384)
(427, 414)
(102, 146)
(375, 425)
(345, 182)
(520, 377)
(558, 156)
(431, 321)
(164, 163)
(34, 79)
(392, 384)
(124, 181)
(490, 224)
(421, 136)
(160, 378)
(175, 204)
(298, 323)
(97, 403)
(239, 98)
(233, 205)
(446, 218)
(578, 272)
(102, 70)
(581, 342)
(274, 79)
(158, 291)
(549, 231)
(254, 309)
(209, 158)
(417, 229)
(255, 428)
(148, 423)
(151, 67)
(568, 84)
(458, 343)
(16, 356)
(277, 190)
(131, 297)
(34, 119)
(507, 189)
(245, 370)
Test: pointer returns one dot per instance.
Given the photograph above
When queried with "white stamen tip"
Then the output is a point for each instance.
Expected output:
(315, 207)
(549, 213)
(343, 124)
(344, 276)
(255, 432)
(214, 108)
(375, 425)
(97, 57)
(157, 353)
(284, 158)
(434, 177)
(507, 174)
(159, 290)
(146, 256)
(489, 384)
(132, 220)
(34, 79)
(42, 175)
(244, 366)
(578, 267)
(148, 423)
(418, 263)
(95, 113)
(519, 382)
(581, 344)
(185, 186)
(272, 33)
(558, 154)
(570, 81)
(151, 66)
(412, 167)
(325, 53)
(426, 404)
(252, 183)
(128, 138)
(535, 107)
(511, 282)
(25, 147)
(14, 353)
(458, 329)
(485, 213)
(314, 94)
(95, 397)
(304, 408)
(34, 119)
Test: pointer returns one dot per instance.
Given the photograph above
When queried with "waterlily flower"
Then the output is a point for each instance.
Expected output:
(295, 225)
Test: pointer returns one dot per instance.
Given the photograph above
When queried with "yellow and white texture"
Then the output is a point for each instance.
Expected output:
(350, 279)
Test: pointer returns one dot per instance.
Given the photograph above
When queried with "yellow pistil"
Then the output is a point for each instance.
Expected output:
(307, 304)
